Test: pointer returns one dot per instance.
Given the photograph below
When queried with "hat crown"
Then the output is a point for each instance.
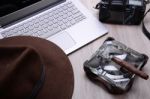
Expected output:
(53, 80)
(20, 70)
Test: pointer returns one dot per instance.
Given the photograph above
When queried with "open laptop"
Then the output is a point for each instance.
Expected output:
(67, 23)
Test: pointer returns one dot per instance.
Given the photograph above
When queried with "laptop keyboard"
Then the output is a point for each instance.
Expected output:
(49, 23)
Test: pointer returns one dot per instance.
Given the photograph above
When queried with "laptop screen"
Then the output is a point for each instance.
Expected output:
(12, 10)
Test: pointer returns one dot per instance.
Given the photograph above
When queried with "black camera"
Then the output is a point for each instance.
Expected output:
(122, 11)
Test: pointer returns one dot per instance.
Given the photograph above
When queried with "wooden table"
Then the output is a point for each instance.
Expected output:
(129, 35)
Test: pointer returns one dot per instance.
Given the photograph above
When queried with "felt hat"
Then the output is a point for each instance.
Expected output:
(34, 68)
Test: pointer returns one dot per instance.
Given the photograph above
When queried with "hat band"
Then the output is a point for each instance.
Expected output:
(39, 84)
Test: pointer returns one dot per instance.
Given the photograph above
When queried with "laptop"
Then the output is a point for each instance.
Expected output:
(67, 23)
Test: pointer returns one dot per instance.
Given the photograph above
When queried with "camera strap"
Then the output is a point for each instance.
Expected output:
(145, 31)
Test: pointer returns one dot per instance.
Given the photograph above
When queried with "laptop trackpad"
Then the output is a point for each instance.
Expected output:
(63, 40)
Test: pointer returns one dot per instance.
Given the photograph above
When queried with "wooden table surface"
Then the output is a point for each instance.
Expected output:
(129, 35)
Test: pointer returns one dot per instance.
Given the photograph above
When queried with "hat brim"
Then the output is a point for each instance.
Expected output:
(59, 78)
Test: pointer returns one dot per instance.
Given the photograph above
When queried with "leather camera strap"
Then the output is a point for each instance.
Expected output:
(145, 31)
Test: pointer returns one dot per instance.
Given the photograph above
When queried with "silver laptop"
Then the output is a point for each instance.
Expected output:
(67, 23)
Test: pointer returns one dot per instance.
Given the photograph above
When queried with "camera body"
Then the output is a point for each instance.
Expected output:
(122, 11)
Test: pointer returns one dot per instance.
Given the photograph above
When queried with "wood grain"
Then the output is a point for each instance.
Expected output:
(129, 35)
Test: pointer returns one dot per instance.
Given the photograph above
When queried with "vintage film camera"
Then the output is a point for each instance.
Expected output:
(122, 11)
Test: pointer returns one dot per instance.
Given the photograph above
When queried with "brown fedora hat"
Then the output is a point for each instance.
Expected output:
(34, 68)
